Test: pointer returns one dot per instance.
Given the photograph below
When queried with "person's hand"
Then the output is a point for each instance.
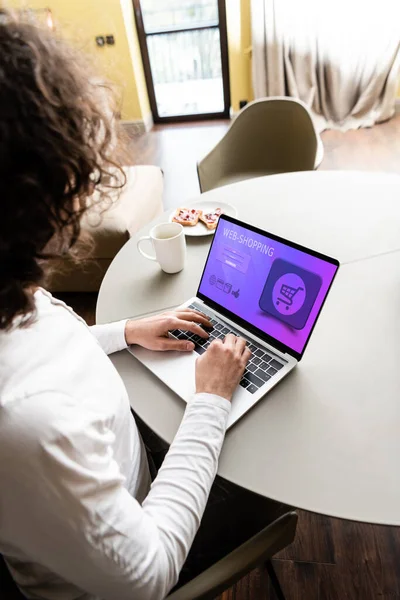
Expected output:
(152, 332)
(220, 368)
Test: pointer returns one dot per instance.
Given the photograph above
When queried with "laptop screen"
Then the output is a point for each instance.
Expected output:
(275, 286)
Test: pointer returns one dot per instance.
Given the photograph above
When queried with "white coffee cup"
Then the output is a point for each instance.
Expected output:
(169, 244)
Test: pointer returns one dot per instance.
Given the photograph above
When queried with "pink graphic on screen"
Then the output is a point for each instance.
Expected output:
(275, 287)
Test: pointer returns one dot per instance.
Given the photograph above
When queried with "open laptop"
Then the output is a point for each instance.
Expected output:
(259, 286)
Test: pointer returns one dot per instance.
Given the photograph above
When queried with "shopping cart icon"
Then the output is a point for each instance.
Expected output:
(288, 294)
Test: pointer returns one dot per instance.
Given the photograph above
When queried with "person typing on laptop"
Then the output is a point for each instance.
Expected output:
(79, 516)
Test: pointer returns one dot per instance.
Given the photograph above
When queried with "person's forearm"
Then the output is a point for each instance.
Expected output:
(112, 546)
(179, 494)
(111, 336)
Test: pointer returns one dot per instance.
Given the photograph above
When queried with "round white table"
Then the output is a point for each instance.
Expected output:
(327, 438)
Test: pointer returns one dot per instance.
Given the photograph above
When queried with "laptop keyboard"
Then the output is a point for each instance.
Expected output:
(261, 367)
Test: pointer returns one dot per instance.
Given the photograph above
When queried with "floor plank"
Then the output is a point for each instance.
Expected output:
(253, 587)
(306, 581)
(176, 149)
(375, 149)
(314, 540)
(370, 556)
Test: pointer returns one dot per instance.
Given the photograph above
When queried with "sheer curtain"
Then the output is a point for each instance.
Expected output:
(341, 57)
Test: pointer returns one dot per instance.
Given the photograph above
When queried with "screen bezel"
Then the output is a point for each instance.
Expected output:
(269, 339)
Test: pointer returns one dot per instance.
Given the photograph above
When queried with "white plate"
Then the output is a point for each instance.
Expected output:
(206, 206)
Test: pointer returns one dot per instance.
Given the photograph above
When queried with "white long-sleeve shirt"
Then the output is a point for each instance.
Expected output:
(78, 519)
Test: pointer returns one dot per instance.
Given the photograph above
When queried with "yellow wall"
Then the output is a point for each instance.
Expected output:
(135, 55)
(239, 43)
(80, 21)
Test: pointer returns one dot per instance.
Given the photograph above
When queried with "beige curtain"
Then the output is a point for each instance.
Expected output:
(341, 57)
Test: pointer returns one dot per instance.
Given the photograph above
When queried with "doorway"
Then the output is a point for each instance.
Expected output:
(184, 48)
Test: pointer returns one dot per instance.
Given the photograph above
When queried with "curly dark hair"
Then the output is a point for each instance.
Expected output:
(57, 146)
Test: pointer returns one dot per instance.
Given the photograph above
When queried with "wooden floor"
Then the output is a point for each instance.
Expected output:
(330, 559)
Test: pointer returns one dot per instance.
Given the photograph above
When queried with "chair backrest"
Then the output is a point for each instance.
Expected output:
(8, 588)
(272, 135)
(253, 553)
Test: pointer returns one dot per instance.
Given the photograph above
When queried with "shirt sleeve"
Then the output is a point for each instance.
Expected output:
(111, 336)
(92, 532)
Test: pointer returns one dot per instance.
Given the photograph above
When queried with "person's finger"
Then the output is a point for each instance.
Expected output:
(215, 343)
(177, 345)
(230, 340)
(246, 356)
(193, 315)
(240, 345)
(183, 325)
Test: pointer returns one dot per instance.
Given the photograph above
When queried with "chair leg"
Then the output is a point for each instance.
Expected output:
(275, 581)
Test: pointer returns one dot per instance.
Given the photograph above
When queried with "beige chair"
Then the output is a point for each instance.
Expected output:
(139, 203)
(254, 553)
(269, 136)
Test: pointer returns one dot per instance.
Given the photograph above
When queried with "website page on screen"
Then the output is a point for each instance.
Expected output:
(275, 287)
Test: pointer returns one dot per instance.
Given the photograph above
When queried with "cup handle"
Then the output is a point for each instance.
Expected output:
(140, 240)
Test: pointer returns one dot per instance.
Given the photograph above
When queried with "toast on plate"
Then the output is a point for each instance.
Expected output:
(210, 219)
(187, 216)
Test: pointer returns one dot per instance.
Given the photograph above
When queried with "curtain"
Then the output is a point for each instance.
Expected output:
(341, 57)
